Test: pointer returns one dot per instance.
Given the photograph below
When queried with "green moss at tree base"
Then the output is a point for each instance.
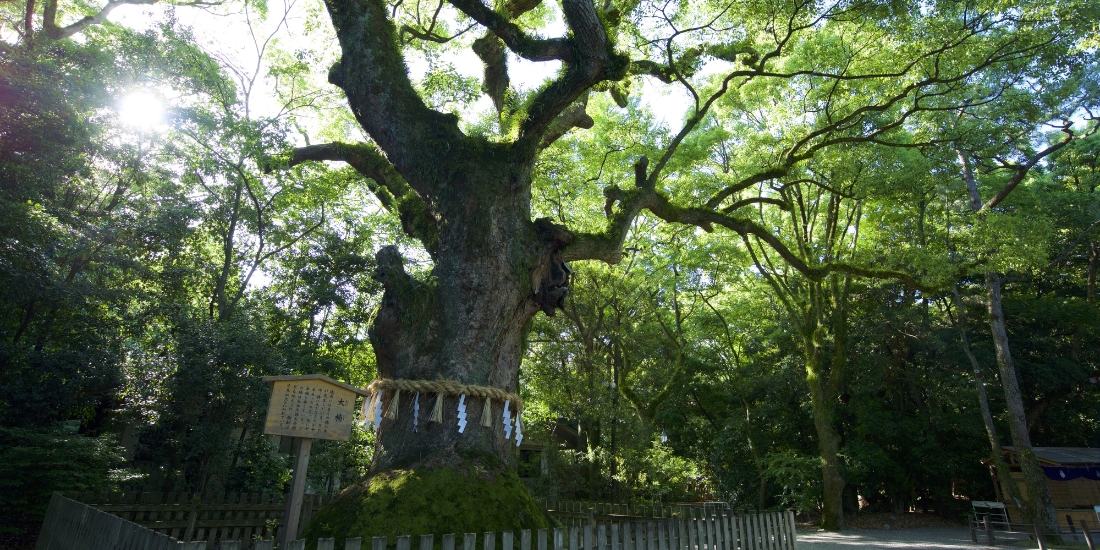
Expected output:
(469, 498)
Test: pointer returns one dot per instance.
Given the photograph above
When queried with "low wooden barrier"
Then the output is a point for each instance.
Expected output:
(566, 509)
(202, 517)
(70, 525)
(769, 531)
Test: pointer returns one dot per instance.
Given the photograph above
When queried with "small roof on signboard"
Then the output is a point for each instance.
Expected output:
(1060, 456)
(316, 377)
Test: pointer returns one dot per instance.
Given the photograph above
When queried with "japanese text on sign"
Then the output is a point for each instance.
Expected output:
(310, 408)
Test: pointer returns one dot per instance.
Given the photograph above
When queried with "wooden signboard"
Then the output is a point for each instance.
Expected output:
(307, 407)
(312, 406)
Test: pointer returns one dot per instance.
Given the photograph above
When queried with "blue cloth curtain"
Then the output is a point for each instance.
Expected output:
(1060, 473)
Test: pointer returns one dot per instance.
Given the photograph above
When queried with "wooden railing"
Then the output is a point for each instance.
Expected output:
(202, 517)
(767, 531)
(71, 525)
(567, 511)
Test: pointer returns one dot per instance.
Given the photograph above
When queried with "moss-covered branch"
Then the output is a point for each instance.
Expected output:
(392, 191)
(573, 117)
(373, 75)
(593, 60)
(525, 46)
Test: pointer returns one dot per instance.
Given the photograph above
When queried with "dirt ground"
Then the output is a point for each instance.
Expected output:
(886, 520)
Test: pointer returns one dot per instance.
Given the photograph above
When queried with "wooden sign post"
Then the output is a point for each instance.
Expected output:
(307, 407)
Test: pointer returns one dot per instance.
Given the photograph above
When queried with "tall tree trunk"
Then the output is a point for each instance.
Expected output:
(1000, 467)
(466, 323)
(828, 441)
(1038, 503)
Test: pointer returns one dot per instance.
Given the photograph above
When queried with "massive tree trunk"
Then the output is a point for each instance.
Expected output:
(468, 200)
(465, 324)
(494, 270)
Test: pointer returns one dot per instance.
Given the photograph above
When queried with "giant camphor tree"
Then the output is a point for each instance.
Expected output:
(848, 72)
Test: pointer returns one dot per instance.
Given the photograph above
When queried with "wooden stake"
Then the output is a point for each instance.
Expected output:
(297, 491)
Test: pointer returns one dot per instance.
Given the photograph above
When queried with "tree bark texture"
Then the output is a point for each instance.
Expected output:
(494, 267)
(1039, 503)
(828, 440)
(1000, 467)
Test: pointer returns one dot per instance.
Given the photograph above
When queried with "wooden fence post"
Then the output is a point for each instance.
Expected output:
(1038, 533)
(297, 490)
(192, 517)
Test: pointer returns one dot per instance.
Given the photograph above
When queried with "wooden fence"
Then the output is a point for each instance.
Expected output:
(656, 510)
(206, 517)
(567, 511)
(71, 525)
(766, 531)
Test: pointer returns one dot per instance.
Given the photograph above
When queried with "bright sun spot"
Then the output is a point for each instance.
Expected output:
(141, 110)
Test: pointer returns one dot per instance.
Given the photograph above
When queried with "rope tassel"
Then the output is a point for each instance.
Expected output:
(376, 410)
(391, 411)
(437, 410)
(487, 414)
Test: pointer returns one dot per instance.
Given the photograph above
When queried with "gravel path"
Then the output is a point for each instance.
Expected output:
(926, 538)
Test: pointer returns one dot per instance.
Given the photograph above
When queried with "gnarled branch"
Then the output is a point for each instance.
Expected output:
(573, 117)
(392, 191)
(607, 246)
(57, 32)
(373, 76)
(533, 49)
(594, 60)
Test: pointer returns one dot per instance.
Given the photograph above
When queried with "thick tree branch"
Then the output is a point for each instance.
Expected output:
(573, 117)
(56, 32)
(372, 74)
(607, 246)
(594, 60)
(533, 49)
(782, 204)
(516, 8)
(1020, 171)
(392, 191)
(490, 50)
